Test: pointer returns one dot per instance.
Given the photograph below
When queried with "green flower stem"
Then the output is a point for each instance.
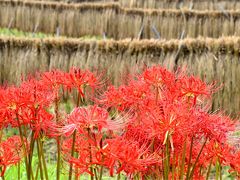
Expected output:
(58, 140)
(183, 159)
(194, 165)
(72, 154)
(58, 157)
(90, 155)
(31, 153)
(39, 160)
(101, 173)
(190, 158)
(43, 159)
(209, 169)
(73, 142)
(173, 167)
(119, 176)
(24, 146)
(166, 159)
(36, 175)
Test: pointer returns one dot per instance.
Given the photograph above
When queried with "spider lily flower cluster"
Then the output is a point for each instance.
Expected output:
(156, 126)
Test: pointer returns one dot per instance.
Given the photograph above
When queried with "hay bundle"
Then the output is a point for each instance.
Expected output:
(212, 59)
(77, 20)
(192, 23)
(65, 19)
(177, 4)
(130, 23)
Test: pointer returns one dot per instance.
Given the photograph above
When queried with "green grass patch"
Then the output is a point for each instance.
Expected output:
(17, 33)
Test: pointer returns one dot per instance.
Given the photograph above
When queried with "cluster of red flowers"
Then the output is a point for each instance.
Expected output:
(157, 125)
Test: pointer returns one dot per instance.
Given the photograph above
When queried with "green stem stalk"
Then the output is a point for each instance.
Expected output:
(209, 169)
(73, 142)
(43, 160)
(58, 158)
(119, 176)
(95, 174)
(173, 167)
(190, 159)
(39, 160)
(36, 175)
(2, 177)
(183, 159)
(101, 173)
(90, 155)
(58, 141)
(1, 134)
(24, 146)
(218, 170)
(166, 159)
(31, 153)
(72, 154)
(194, 166)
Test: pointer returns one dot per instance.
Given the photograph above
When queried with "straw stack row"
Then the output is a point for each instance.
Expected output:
(169, 4)
(177, 4)
(212, 59)
(94, 19)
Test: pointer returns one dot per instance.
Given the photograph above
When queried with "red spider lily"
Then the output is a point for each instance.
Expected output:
(166, 119)
(13, 103)
(177, 83)
(217, 126)
(218, 152)
(157, 119)
(86, 150)
(80, 79)
(53, 80)
(162, 81)
(11, 152)
(126, 156)
(158, 77)
(42, 121)
(127, 97)
(91, 118)
(3, 112)
(135, 95)
(235, 163)
(39, 94)
(192, 88)
(11, 98)
(139, 133)
(30, 96)
(170, 116)
(112, 98)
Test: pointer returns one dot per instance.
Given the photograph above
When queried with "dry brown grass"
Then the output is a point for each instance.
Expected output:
(214, 59)
(77, 20)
